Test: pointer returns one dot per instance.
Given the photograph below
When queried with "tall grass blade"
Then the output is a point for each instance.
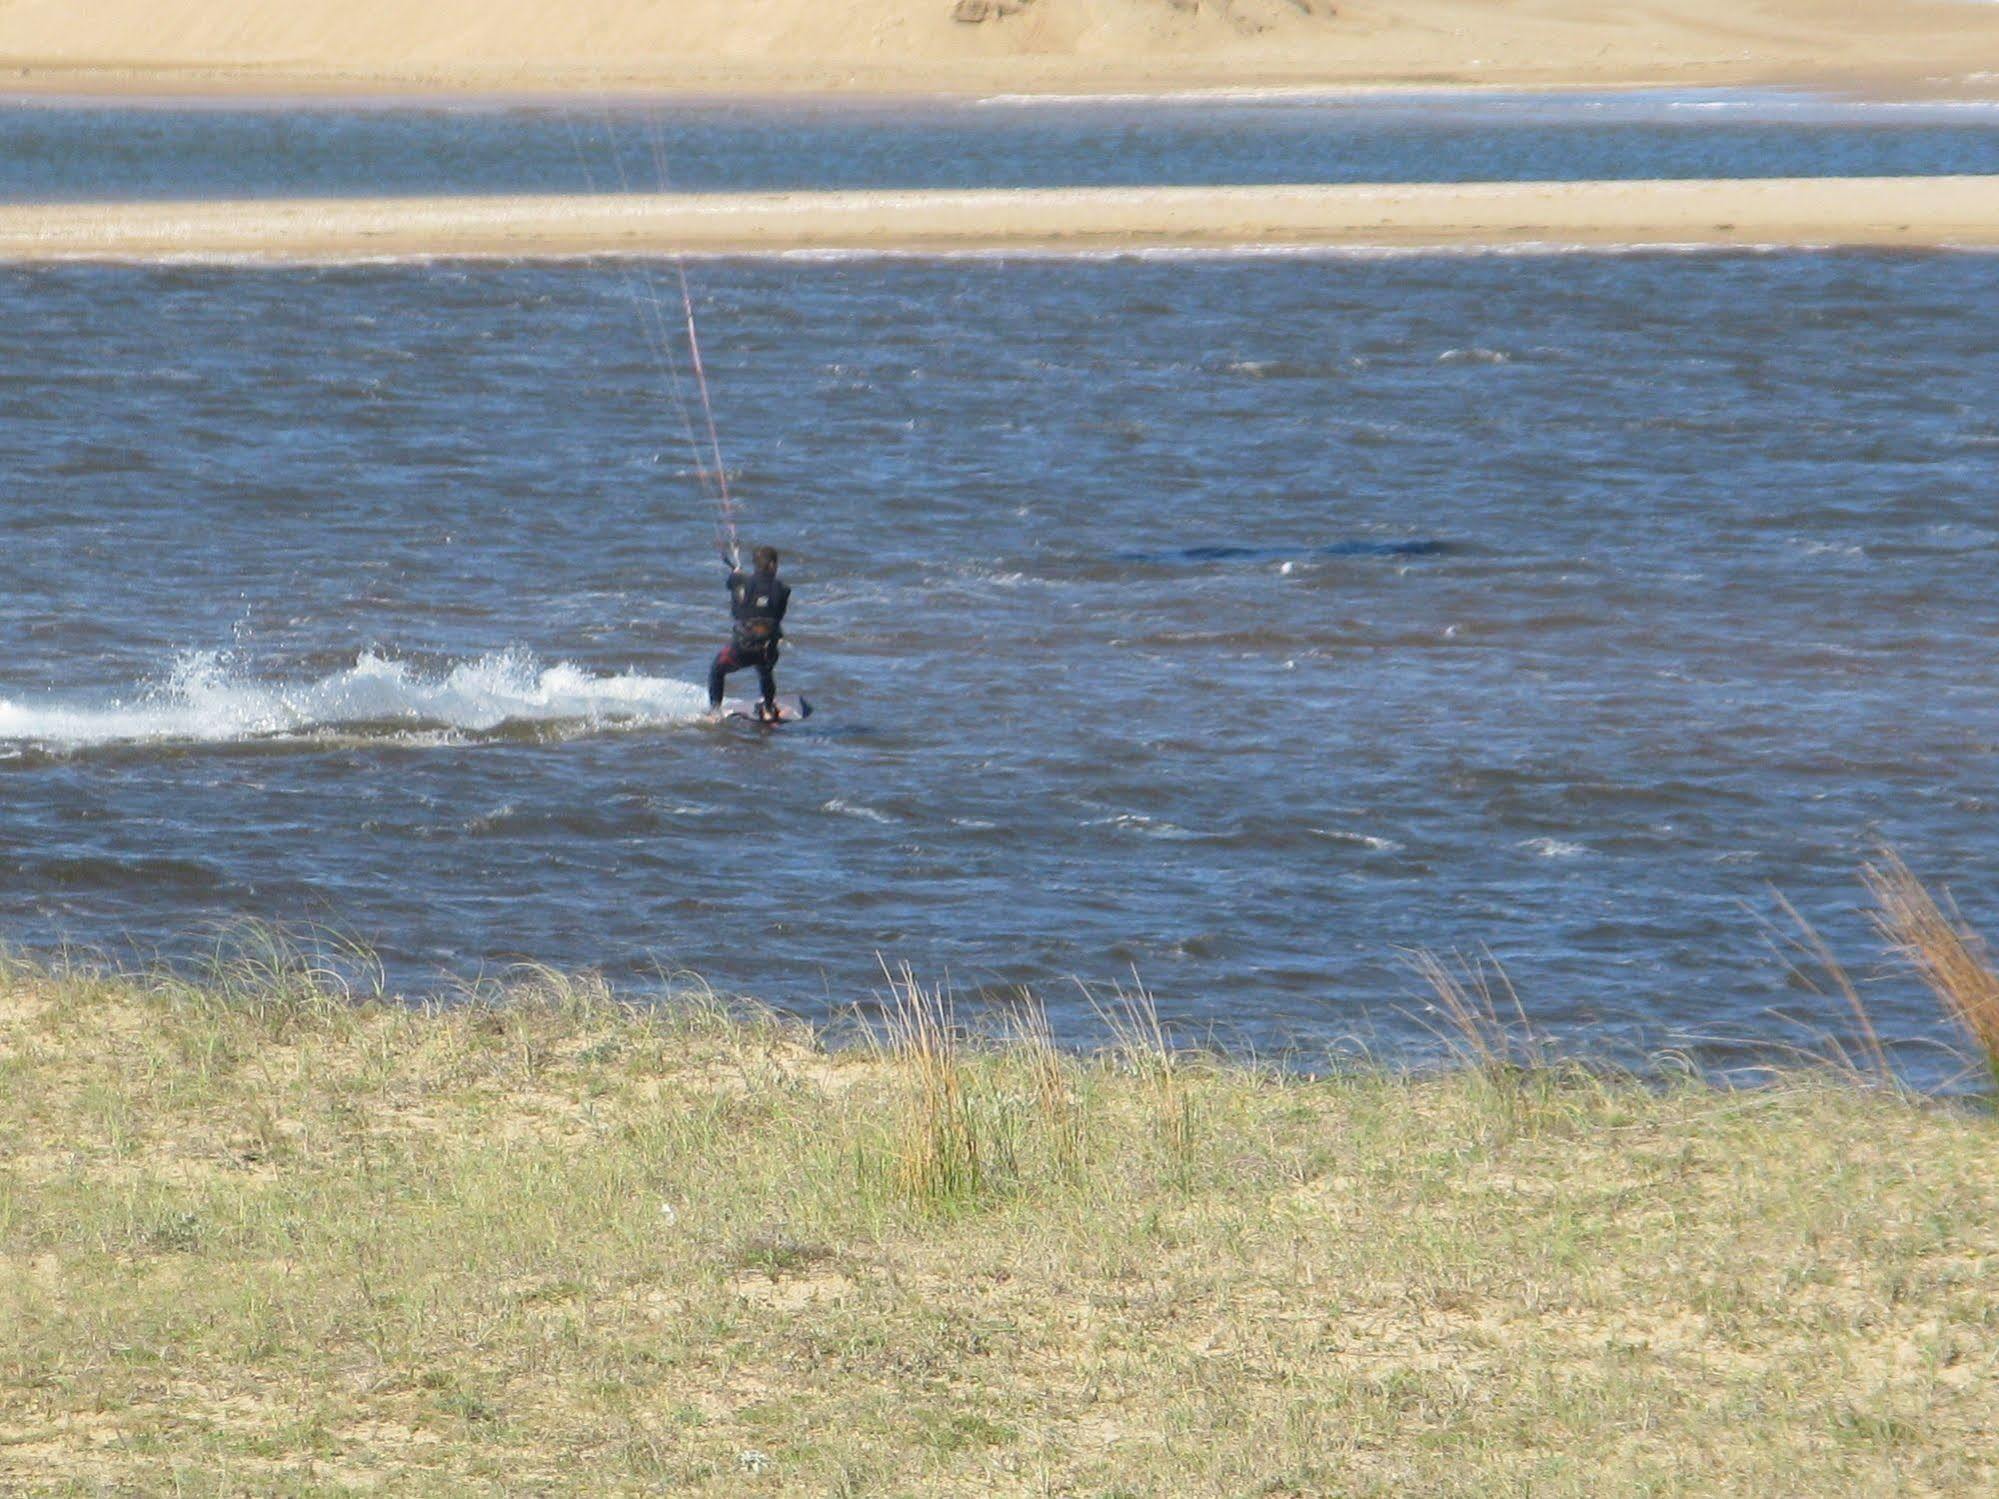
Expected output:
(1811, 962)
(937, 1158)
(1468, 993)
(1943, 949)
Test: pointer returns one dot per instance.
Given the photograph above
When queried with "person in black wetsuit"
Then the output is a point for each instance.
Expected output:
(757, 600)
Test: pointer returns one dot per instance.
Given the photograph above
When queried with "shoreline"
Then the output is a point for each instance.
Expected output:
(195, 85)
(390, 96)
(389, 93)
(1919, 212)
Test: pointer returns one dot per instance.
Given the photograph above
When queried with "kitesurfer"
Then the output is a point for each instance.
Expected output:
(757, 601)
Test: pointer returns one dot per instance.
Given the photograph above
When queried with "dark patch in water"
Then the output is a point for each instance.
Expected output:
(1225, 552)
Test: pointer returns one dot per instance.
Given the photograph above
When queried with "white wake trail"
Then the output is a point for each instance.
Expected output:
(204, 700)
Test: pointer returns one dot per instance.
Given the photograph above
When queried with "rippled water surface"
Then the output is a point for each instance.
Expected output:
(77, 151)
(1239, 620)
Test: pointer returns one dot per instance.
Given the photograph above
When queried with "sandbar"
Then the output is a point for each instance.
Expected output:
(1917, 212)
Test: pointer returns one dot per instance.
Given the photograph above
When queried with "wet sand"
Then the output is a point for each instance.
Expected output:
(1856, 211)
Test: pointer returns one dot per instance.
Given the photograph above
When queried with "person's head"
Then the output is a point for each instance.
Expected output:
(766, 559)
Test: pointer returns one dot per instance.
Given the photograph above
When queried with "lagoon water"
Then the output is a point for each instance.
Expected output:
(69, 150)
(1238, 620)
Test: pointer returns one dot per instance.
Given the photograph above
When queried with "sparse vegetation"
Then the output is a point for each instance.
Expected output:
(1951, 958)
(262, 1234)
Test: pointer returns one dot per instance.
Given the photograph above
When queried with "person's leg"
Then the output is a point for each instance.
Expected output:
(718, 673)
(767, 676)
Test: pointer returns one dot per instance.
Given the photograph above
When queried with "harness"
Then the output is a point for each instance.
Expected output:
(758, 604)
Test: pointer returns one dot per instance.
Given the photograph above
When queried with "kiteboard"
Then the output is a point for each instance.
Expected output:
(789, 710)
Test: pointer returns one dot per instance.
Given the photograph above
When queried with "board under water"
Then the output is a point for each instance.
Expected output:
(790, 710)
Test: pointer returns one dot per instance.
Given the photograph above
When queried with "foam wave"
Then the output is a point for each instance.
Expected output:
(203, 700)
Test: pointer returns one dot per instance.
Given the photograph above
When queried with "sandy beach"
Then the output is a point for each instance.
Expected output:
(984, 46)
(1933, 211)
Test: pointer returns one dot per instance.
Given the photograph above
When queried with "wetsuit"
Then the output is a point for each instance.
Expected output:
(757, 601)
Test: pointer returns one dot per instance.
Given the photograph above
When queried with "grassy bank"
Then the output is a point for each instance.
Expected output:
(260, 1240)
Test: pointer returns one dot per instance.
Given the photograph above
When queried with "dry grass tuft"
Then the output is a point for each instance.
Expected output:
(1140, 1044)
(1468, 993)
(1051, 1081)
(1951, 958)
(1813, 965)
(938, 1159)
(277, 974)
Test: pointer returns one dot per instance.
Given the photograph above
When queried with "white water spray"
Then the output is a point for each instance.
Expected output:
(204, 700)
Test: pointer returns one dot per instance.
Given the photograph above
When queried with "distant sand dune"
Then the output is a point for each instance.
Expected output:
(1899, 211)
(917, 45)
